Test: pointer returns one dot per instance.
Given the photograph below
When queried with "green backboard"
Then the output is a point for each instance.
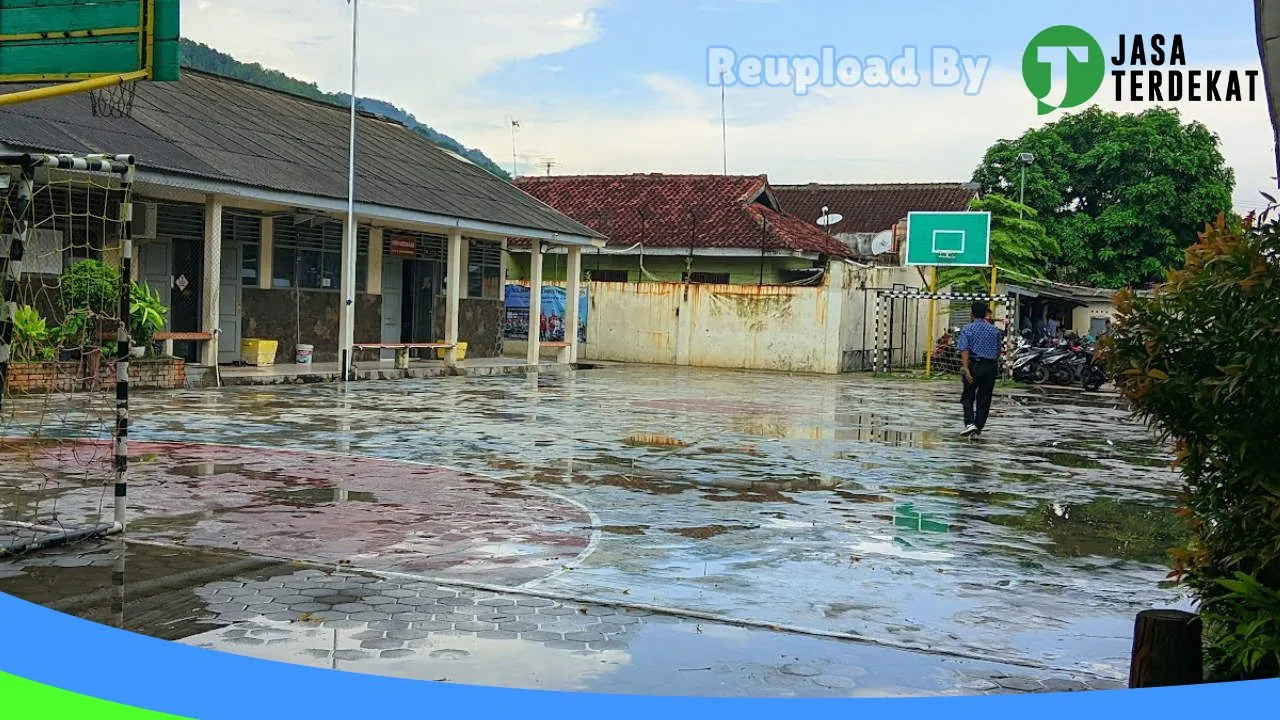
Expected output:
(67, 40)
(949, 238)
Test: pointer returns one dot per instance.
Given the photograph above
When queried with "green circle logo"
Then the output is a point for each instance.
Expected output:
(1063, 67)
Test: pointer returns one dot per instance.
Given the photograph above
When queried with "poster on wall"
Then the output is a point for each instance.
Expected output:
(516, 326)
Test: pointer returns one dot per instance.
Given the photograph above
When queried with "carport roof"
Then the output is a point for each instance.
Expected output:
(226, 131)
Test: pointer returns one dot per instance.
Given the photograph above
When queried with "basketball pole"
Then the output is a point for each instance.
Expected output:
(349, 241)
(933, 318)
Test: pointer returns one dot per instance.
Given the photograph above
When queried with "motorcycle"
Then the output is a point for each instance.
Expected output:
(1094, 374)
(1027, 366)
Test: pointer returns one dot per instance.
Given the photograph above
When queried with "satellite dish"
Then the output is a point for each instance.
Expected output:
(830, 219)
(882, 242)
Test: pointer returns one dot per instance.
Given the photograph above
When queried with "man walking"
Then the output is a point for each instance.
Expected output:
(979, 346)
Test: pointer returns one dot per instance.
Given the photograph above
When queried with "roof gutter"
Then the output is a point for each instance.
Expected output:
(367, 210)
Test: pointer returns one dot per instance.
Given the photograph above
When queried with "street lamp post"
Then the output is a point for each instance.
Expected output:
(347, 281)
(1024, 159)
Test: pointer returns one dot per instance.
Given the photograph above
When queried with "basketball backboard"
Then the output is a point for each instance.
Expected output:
(86, 44)
(958, 239)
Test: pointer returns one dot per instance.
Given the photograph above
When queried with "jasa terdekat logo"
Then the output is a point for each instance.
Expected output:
(1064, 67)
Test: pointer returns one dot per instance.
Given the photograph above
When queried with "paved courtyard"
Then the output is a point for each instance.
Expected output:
(708, 532)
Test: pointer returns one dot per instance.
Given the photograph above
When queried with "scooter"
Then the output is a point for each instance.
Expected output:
(1094, 373)
(1027, 366)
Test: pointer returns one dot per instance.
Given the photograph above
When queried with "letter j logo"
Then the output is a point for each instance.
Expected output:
(1063, 67)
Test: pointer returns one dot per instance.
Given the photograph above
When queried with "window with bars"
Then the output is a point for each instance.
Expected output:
(309, 256)
(708, 278)
(484, 270)
(245, 229)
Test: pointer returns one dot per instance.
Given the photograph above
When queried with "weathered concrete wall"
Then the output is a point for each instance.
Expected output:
(858, 316)
(768, 327)
(270, 314)
(668, 268)
(479, 325)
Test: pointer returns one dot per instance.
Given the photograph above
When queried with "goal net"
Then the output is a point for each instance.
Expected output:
(66, 322)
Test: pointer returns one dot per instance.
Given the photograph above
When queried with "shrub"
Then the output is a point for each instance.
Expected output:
(92, 286)
(1200, 361)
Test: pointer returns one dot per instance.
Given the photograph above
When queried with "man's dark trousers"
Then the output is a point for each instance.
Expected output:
(977, 394)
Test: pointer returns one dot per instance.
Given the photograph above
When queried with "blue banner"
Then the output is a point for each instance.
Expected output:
(553, 313)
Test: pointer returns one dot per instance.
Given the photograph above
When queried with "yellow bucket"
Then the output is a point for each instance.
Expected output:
(462, 351)
(258, 351)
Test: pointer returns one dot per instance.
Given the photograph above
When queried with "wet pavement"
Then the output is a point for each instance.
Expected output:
(836, 507)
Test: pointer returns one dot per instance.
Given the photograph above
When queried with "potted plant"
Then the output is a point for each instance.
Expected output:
(146, 317)
(72, 336)
(89, 294)
(30, 336)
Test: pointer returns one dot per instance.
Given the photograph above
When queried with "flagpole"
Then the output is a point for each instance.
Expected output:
(349, 241)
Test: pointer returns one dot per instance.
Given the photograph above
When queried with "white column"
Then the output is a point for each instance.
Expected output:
(535, 302)
(266, 265)
(373, 283)
(347, 296)
(454, 279)
(572, 288)
(212, 282)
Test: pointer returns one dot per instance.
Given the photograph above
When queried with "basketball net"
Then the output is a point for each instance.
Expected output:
(115, 101)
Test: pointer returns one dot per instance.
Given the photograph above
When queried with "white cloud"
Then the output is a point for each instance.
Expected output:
(838, 135)
(431, 58)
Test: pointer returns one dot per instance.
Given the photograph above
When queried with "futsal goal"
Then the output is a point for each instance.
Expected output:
(67, 321)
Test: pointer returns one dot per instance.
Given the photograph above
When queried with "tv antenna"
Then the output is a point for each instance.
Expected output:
(548, 163)
(882, 242)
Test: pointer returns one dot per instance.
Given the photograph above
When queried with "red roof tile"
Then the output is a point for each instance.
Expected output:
(872, 207)
(679, 211)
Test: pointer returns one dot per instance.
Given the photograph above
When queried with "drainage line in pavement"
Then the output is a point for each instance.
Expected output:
(679, 613)
(190, 578)
(63, 537)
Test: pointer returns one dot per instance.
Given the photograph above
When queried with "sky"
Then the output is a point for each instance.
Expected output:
(621, 86)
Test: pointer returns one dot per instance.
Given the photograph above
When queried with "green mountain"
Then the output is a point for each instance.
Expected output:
(198, 56)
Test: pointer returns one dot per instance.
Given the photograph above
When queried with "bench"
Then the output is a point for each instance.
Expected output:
(402, 350)
(166, 339)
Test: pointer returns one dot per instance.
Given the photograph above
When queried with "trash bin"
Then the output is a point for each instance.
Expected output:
(302, 354)
(258, 351)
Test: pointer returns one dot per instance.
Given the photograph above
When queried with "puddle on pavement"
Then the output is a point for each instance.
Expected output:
(706, 531)
(1070, 460)
(1105, 527)
(308, 497)
(199, 470)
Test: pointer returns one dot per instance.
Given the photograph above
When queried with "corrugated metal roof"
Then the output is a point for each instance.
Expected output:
(220, 129)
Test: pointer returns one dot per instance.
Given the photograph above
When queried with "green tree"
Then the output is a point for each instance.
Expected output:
(1123, 194)
(1018, 243)
(1200, 361)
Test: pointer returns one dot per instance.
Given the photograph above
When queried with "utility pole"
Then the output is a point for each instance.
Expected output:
(514, 124)
(724, 126)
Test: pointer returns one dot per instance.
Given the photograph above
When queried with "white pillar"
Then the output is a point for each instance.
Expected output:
(373, 283)
(347, 296)
(266, 265)
(454, 279)
(535, 302)
(572, 288)
(466, 268)
(212, 281)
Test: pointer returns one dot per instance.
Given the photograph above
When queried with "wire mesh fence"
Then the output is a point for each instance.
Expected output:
(66, 325)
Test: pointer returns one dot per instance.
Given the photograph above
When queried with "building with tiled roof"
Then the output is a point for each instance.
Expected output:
(866, 209)
(716, 228)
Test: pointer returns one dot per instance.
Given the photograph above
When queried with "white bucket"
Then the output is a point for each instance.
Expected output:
(303, 353)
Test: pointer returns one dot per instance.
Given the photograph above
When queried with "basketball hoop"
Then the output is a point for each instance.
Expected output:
(114, 101)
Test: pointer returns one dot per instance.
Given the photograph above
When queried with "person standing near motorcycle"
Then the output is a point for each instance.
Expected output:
(979, 346)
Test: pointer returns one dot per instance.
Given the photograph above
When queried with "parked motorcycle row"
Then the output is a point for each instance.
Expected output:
(1064, 361)
(1058, 361)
